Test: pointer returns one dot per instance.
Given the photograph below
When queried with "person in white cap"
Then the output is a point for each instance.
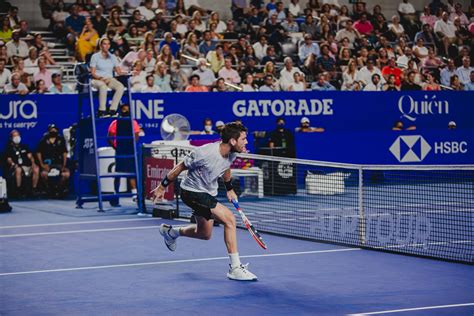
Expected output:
(306, 128)
(219, 127)
(452, 125)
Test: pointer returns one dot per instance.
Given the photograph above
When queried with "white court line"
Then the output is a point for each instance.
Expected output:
(141, 264)
(412, 309)
(77, 223)
(79, 231)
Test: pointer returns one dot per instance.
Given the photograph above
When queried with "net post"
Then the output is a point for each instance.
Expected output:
(362, 224)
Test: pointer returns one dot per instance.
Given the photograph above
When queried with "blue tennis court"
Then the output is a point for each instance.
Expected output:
(57, 260)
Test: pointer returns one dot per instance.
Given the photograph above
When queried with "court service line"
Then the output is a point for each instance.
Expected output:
(141, 264)
(78, 223)
(412, 309)
(79, 231)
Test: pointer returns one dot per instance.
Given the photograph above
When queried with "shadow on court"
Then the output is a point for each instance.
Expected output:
(57, 263)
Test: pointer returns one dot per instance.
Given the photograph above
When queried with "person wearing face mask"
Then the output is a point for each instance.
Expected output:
(124, 146)
(207, 127)
(52, 158)
(20, 163)
(206, 75)
(282, 138)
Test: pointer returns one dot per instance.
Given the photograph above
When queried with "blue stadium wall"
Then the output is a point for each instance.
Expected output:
(357, 124)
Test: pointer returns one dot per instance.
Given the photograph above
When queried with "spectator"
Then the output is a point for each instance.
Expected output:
(127, 62)
(248, 85)
(20, 164)
(407, 11)
(199, 24)
(191, 47)
(41, 87)
(57, 87)
(270, 56)
(17, 47)
(192, 6)
(349, 32)
(181, 27)
(309, 51)
(220, 85)
(390, 85)
(250, 68)
(268, 85)
(42, 48)
(469, 86)
(349, 76)
(278, 11)
(52, 158)
(5, 75)
(43, 73)
(173, 45)
(365, 74)
(447, 72)
(396, 30)
(74, 24)
(391, 69)
(299, 84)
(165, 55)
(427, 35)
(294, 8)
(399, 126)
(363, 26)
(282, 138)
(430, 83)
(325, 63)
(207, 127)
(464, 72)
(426, 18)
(228, 73)
(150, 85)
(455, 84)
(290, 25)
(216, 58)
(31, 63)
(150, 62)
(138, 78)
(309, 26)
(146, 10)
(322, 84)
(363, 57)
(5, 31)
(446, 30)
(287, 74)
(420, 50)
(58, 20)
(220, 25)
(260, 48)
(402, 60)
(115, 23)
(380, 25)
(459, 14)
(375, 84)
(206, 76)
(162, 78)
(305, 127)
(19, 67)
(195, 86)
(13, 17)
(451, 125)
(432, 61)
(15, 86)
(179, 79)
(86, 41)
(139, 22)
(409, 83)
(103, 64)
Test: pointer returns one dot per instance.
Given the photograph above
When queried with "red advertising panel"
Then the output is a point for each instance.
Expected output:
(155, 170)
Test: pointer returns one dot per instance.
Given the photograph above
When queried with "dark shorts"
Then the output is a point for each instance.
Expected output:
(200, 203)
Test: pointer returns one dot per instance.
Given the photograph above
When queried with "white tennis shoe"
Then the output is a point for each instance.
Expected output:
(170, 242)
(241, 273)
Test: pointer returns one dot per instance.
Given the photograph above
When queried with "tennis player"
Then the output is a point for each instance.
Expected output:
(199, 189)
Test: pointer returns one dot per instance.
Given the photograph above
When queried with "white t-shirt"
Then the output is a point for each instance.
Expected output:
(190, 3)
(448, 29)
(146, 88)
(406, 8)
(5, 77)
(205, 165)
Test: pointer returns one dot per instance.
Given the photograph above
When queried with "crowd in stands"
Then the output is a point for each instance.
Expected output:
(266, 46)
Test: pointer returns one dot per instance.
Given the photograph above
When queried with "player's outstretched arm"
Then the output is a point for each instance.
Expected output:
(227, 176)
(159, 191)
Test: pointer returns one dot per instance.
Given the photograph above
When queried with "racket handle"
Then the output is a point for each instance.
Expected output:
(236, 203)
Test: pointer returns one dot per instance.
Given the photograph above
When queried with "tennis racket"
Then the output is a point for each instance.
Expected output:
(249, 226)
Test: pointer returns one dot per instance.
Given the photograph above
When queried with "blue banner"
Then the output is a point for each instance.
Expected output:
(357, 124)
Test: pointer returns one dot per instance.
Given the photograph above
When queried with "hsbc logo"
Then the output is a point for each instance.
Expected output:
(410, 148)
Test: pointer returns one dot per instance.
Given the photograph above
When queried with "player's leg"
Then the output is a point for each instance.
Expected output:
(201, 230)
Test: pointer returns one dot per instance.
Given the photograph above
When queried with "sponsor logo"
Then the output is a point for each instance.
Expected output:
(26, 110)
(410, 148)
(410, 108)
(152, 110)
(300, 107)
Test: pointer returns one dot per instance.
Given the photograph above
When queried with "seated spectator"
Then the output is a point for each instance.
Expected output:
(420, 50)
(15, 86)
(407, 11)
(150, 62)
(290, 25)
(192, 6)
(250, 68)
(279, 11)
(194, 85)
(363, 57)
(430, 83)
(446, 30)
(220, 25)
(16, 47)
(464, 51)
(228, 73)
(322, 84)
(42, 48)
(43, 73)
(20, 164)
(138, 78)
(162, 78)
(103, 64)
(268, 85)
(365, 74)
(165, 55)
(57, 87)
(309, 26)
(325, 63)
(206, 76)
(52, 155)
(5, 75)
(31, 63)
(428, 36)
(248, 83)
(19, 67)
(294, 8)
(409, 83)
(432, 61)
(191, 47)
(455, 84)
(464, 72)
(220, 85)
(392, 69)
(287, 74)
(399, 126)
(115, 23)
(173, 45)
(459, 14)
(363, 26)
(469, 86)
(395, 29)
(375, 84)
(260, 47)
(87, 41)
(309, 51)
(299, 83)
(58, 20)
(427, 18)
(349, 76)
(41, 87)
(99, 23)
(380, 25)
(13, 17)
(74, 24)
(5, 30)
(270, 55)
(447, 72)
(305, 127)
(390, 85)
(179, 79)
(150, 85)
(349, 32)
(146, 10)
(402, 60)
(207, 130)
(216, 58)
(128, 61)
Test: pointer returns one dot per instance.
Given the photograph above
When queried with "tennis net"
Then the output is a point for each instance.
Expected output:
(421, 210)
